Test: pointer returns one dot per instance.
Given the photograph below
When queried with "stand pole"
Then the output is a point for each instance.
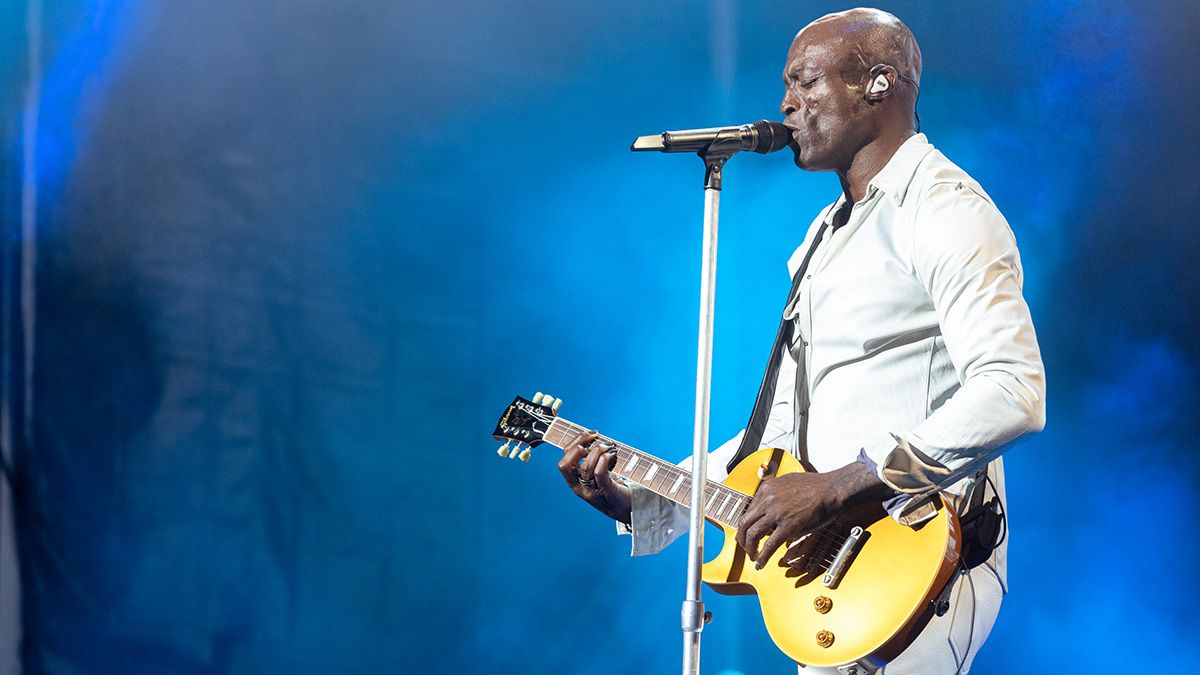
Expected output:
(693, 615)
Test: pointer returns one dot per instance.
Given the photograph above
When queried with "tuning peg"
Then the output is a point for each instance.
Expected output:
(524, 455)
(503, 451)
(515, 451)
(547, 399)
(537, 398)
(554, 406)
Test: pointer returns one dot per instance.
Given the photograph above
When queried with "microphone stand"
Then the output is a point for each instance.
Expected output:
(693, 615)
(715, 146)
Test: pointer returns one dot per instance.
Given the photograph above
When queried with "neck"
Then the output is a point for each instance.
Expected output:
(722, 504)
(869, 161)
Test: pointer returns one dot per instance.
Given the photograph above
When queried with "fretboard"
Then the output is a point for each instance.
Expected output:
(722, 504)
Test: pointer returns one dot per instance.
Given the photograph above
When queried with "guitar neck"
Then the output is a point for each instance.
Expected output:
(722, 504)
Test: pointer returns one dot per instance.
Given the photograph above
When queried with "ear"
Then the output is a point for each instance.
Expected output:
(881, 79)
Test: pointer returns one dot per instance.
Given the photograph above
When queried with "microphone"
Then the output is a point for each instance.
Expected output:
(761, 137)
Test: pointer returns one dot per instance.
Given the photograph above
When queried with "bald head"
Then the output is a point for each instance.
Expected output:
(865, 37)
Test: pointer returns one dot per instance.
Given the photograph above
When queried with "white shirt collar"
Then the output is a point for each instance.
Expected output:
(895, 176)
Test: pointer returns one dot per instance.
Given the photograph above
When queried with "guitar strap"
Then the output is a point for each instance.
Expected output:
(766, 391)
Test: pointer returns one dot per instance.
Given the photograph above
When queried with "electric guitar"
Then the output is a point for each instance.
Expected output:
(861, 593)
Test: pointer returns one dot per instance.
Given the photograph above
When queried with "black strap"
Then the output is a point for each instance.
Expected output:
(766, 391)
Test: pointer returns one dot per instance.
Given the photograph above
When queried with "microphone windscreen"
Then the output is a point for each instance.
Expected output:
(772, 136)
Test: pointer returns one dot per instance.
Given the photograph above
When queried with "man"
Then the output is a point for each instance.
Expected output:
(909, 361)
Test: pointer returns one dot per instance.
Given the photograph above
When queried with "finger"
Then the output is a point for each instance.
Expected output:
(606, 460)
(772, 544)
(602, 473)
(587, 467)
(755, 534)
(575, 450)
(583, 440)
(597, 455)
(752, 516)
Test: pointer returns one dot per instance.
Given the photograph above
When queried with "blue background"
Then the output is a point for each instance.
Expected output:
(293, 258)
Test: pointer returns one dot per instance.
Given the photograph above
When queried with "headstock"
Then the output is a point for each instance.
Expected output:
(525, 422)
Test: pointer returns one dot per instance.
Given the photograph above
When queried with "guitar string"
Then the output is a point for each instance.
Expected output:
(826, 541)
(825, 534)
(823, 546)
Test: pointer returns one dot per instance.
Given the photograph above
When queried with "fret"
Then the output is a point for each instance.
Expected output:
(729, 499)
(631, 467)
(633, 460)
(654, 477)
(642, 471)
(736, 517)
(735, 510)
(647, 473)
(660, 474)
(676, 484)
(685, 491)
(650, 475)
(667, 476)
(677, 477)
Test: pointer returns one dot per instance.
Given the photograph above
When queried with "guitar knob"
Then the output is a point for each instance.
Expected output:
(503, 451)
(822, 604)
(524, 456)
(515, 451)
(554, 406)
(537, 398)
(825, 638)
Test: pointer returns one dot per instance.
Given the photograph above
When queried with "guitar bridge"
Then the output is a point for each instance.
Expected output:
(838, 566)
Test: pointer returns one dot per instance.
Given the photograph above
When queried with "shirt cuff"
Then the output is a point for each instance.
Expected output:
(908, 471)
(655, 522)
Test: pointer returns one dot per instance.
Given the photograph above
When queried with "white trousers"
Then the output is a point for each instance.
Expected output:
(949, 642)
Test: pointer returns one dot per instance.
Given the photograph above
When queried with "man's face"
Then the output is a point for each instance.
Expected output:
(822, 102)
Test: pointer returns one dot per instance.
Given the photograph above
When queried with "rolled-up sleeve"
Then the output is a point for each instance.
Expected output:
(965, 256)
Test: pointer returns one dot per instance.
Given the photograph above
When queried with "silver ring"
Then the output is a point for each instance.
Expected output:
(590, 482)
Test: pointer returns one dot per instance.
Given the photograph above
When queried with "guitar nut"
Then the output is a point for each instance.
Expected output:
(825, 638)
(822, 604)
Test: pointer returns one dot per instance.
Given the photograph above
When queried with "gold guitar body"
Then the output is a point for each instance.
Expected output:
(886, 594)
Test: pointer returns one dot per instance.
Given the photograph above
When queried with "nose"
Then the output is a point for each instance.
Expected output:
(787, 107)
